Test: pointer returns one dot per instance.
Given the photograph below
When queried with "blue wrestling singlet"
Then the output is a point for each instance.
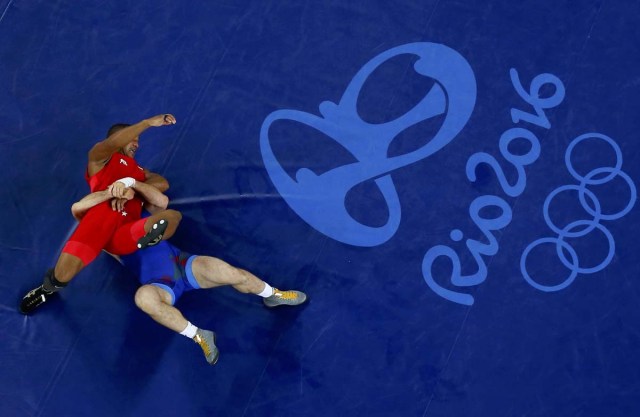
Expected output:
(165, 266)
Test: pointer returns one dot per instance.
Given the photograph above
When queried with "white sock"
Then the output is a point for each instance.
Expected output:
(189, 331)
(267, 292)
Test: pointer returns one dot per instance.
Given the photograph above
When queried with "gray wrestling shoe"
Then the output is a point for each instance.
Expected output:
(207, 341)
(289, 298)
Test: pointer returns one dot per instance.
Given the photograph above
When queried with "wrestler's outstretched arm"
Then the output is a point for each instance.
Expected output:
(103, 150)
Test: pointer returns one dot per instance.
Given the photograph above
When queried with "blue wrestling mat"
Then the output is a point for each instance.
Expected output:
(452, 183)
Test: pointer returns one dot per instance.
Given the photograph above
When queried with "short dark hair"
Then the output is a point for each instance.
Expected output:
(118, 126)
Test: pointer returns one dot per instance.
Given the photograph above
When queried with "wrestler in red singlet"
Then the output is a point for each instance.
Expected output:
(102, 227)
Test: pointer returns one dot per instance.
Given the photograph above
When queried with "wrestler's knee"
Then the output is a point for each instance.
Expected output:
(173, 216)
(147, 298)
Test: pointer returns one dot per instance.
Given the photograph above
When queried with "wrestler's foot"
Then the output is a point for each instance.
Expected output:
(289, 298)
(154, 235)
(33, 299)
(207, 341)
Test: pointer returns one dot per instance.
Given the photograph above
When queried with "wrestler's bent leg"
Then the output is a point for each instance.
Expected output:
(157, 303)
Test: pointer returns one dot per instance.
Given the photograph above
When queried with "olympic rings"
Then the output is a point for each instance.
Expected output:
(593, 207)
(546, 288)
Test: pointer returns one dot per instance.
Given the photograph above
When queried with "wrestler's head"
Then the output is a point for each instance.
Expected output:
(130, 148)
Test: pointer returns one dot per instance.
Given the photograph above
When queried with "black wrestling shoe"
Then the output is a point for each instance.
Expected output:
(33, 299)
(153, 236)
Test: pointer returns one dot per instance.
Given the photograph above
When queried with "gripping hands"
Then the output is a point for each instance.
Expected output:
(122, 186)
(121, 191)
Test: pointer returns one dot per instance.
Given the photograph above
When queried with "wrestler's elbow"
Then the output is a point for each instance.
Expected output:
(164, 202)
(75, 212)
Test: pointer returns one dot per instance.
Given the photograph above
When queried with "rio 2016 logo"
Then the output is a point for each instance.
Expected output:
(320, 199)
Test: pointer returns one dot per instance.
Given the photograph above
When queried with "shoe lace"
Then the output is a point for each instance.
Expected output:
(287, 295)
(35, 294)
(203, 344)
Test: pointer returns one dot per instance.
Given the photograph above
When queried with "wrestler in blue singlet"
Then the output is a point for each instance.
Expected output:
(163, 265)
